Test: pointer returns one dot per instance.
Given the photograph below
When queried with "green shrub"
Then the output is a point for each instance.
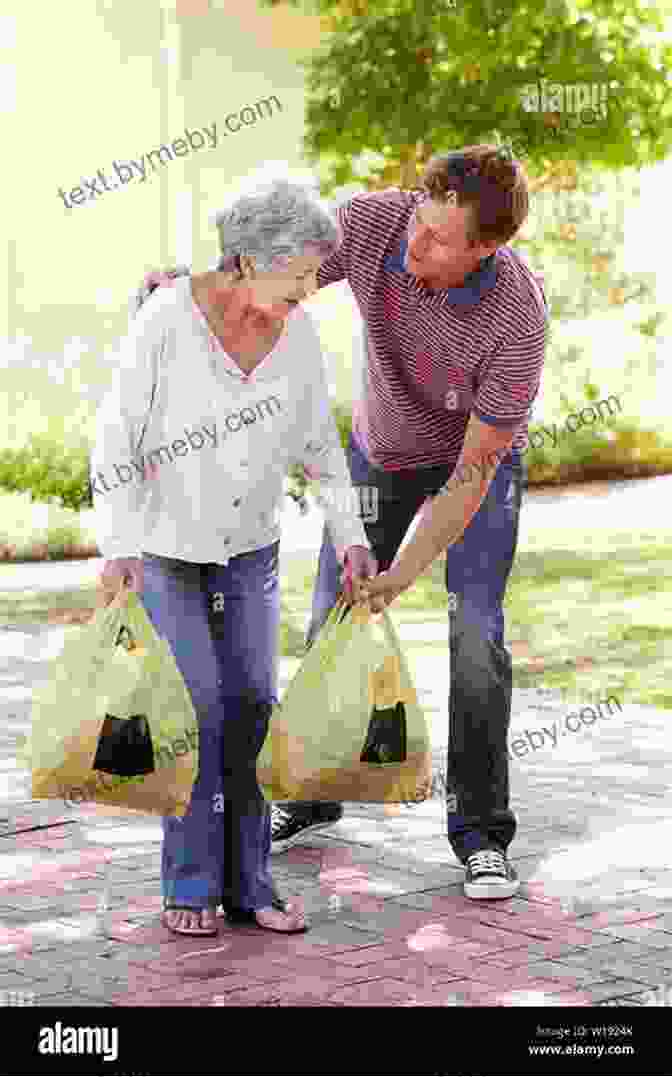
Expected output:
(30, 532)
(632, 442)
(49, 471)
(343, 419)
(618, 450)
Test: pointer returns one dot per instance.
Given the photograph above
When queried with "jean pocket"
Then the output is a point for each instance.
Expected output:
(362, 472)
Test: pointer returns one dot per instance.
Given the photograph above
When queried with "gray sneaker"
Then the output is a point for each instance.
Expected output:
(287, 828)
(490, 875)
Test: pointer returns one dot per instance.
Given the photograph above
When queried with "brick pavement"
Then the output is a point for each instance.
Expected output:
(592, 923)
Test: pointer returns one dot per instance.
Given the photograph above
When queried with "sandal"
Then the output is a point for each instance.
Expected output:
(235, 915)
(187, 931)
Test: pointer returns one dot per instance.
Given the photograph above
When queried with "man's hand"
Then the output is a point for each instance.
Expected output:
(159, 278)
(156, 279)
(387, 586)
(360, 566)
(116, 573)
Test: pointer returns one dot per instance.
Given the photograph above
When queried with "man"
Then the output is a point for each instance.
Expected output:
(455, 330)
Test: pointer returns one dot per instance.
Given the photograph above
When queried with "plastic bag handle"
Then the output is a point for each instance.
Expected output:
(360, 611)
(141, 627)
(392, 639)
(386, 683)
(388, 629)
(126, 608)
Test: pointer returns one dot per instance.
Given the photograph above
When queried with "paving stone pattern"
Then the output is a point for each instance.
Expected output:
(591, 925)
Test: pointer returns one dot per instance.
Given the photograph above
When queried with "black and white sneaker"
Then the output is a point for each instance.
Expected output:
(288, 828)
(490, 875)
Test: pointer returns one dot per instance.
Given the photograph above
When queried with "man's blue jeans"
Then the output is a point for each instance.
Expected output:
(477, 570)
(222, 625)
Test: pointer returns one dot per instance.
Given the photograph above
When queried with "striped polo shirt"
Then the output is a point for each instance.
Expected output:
(434, 356)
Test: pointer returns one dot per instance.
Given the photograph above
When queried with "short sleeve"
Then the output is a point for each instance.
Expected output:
(511, 382)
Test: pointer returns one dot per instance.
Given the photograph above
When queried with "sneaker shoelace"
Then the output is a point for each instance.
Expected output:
(279, 818)
(488, 862)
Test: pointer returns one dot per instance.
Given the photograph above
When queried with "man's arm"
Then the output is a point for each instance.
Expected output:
(502, 404)
(336, 266)
(445, 519)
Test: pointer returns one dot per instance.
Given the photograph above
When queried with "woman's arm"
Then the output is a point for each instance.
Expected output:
(119, 471)
(322, 456)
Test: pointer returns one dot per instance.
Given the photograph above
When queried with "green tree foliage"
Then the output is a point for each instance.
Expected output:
(577, 236)
(398, 80)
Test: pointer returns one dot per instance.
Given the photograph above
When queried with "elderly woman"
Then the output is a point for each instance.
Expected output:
(220, 389)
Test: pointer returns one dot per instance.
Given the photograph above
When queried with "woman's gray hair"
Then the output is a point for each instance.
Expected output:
(274, 214)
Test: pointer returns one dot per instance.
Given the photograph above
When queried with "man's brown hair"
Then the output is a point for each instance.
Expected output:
(489, 183)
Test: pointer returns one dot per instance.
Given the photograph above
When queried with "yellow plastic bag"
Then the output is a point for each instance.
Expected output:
(349, 726)
(115, 723)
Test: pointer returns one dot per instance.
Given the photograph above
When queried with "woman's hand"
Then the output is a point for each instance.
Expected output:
(360, 566)
(116, 573)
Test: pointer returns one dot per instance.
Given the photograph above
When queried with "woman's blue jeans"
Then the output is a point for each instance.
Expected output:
(222, 625)
(477, 571)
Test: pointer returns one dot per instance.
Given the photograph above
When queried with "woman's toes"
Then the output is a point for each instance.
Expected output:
(295, 911)
(208, 919)
(188, 919)
(272, 918)
(280, 921)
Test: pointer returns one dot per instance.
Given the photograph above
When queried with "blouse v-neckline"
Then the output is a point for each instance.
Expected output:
(213, 338)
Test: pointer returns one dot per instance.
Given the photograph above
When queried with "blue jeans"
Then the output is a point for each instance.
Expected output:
(477, 570)
(218, 853)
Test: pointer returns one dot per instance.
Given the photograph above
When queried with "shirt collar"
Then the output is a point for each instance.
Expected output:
(476, 284)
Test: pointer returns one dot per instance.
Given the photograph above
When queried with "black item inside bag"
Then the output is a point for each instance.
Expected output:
(125, 747)
(386, 736)
(125, 744)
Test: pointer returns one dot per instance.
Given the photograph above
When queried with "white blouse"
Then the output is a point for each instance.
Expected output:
(191, 453)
